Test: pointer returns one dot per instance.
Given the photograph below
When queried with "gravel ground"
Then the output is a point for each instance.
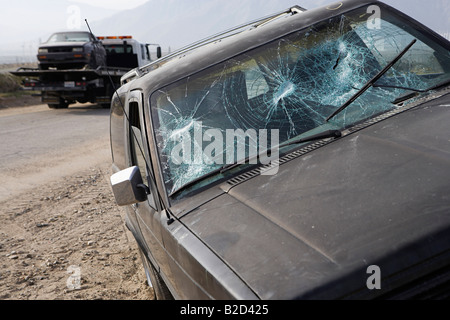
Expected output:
(68, 241)
(65, 239)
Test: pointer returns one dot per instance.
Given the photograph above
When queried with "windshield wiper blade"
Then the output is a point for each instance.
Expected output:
(417, 91)
(439, 85)
(405, 97)
(201, 178)
(228, 167)
(369, 84)
(399, 87)
(319, 136)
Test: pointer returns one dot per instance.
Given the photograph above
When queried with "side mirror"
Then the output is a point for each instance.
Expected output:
(158, 52)
(128, 187)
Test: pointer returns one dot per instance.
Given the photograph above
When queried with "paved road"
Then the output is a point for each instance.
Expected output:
(40, 145)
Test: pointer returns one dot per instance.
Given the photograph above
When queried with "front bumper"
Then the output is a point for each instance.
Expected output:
(63, 59)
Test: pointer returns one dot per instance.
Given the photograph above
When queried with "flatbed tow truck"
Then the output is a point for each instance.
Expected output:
(60, 88)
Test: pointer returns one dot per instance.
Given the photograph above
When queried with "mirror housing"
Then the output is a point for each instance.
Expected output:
(158, 52)
(128, 187)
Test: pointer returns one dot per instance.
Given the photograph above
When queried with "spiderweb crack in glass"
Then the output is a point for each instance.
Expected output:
(292, 85)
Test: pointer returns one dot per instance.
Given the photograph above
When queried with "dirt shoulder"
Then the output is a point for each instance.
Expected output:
(66, 239)
(21, 100)
(66, 229)
(11, 93)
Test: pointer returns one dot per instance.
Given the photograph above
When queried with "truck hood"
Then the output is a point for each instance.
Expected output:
(380, 196)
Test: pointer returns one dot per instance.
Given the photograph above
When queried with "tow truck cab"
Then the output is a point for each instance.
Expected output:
(126, 52)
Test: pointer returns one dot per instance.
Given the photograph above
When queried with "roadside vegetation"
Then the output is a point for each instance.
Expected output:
(9, 83)
(11, 93)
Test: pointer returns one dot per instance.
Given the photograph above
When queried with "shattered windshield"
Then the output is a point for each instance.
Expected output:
(244, 106)
(69, 37)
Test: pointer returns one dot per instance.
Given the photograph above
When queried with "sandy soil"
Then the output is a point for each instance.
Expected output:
(23, 101)
(66, 240)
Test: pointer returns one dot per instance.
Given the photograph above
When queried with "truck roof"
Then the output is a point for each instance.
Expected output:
(116, 39)
(215, 49)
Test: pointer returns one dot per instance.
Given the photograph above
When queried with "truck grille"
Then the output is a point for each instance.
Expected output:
(61, 49)
(435, 286)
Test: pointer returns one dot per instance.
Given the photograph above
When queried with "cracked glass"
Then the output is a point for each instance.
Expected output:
(290, 86)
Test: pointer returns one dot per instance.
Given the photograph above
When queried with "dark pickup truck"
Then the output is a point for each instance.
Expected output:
(71, 50)
(305, 155)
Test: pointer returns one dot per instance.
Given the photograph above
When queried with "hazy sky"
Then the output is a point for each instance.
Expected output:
(112, 4)
(25, 23)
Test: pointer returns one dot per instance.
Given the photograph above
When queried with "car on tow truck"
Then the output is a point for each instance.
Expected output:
(71, 50)
(304, 155)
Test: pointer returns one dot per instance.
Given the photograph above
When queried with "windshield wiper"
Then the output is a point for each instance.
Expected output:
(231, 166)
(405, 97)
(319, 136)
(439, 85)
(369, 84)
(398, 87)
(201, 178)
(415, 92)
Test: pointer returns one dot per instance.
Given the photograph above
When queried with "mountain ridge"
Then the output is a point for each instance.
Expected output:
(176, 23)
(170, 23)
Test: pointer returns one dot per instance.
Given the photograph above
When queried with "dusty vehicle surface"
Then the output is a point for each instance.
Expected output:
(305, 156)
(71, 50)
